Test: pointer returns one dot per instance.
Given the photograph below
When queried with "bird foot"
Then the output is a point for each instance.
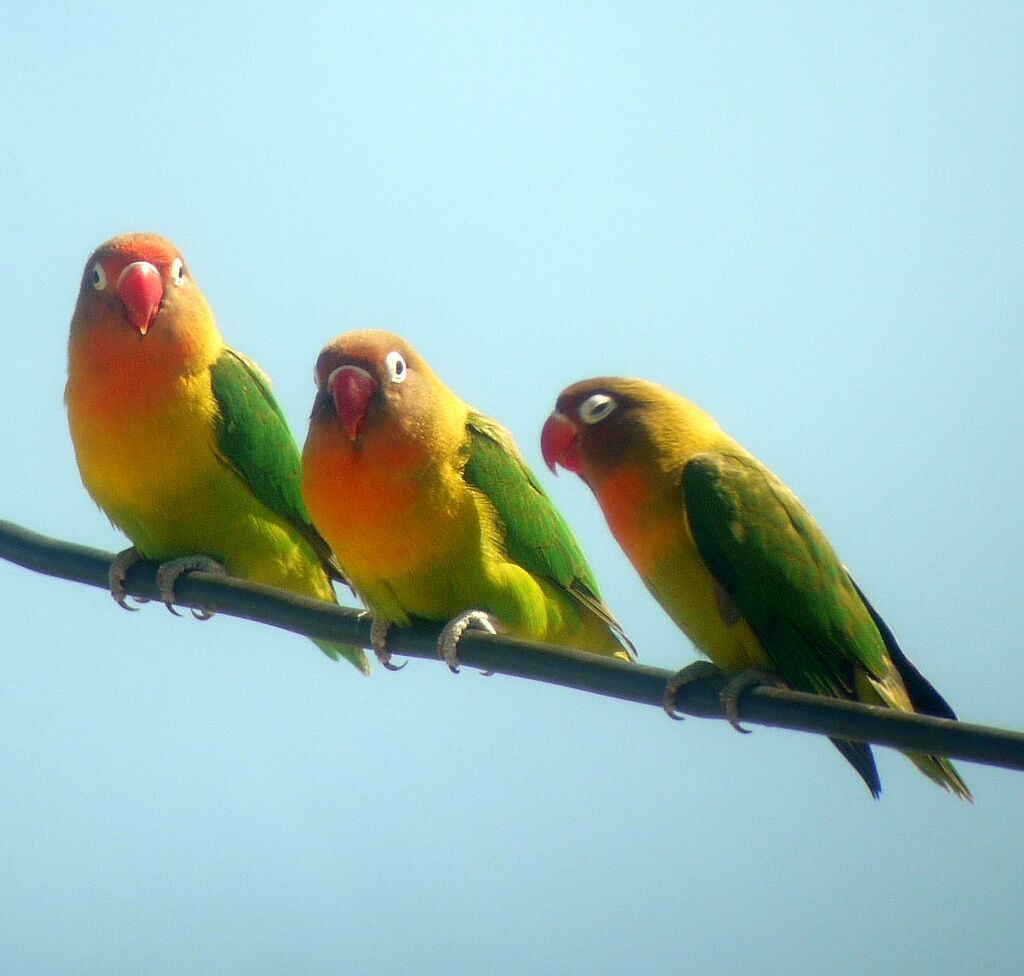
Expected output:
(168, 574)
(748, 678)
(448, 641)
(697, 671)
(117, 574)
(379, 628)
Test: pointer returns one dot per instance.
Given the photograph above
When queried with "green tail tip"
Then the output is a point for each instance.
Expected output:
(941, 771)
(356, 656)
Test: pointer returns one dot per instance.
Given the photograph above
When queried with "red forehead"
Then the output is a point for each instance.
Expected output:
(137, 247)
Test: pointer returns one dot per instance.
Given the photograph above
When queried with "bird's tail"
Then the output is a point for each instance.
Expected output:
(889, 690)
(356, 656)
(859, 755)
(940, 770)
(917, 694)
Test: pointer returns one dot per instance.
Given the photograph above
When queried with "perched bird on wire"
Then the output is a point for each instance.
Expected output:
(432, 511)
(178, 437)
(734, 558)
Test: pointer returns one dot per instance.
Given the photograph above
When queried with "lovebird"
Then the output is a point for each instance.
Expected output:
(178, 437)
(733, 556)
(432, 511)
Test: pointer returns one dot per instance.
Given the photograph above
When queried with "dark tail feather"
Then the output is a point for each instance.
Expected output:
(923, 695)
(925, 699)
(859, 755)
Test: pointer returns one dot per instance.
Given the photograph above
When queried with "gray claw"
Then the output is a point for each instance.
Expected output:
(168, 574)
(117, 574)
(379, 628)
(451, 634)
(697, 671)
(748, 678)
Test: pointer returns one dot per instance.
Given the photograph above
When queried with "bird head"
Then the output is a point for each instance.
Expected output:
(371, 383)
(131, 279)
(139, 314)
(592, 426)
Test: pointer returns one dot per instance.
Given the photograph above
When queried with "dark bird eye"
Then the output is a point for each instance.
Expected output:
(99, 277)
(177, 271)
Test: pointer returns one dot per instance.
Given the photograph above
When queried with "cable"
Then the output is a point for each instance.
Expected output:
(599, 675)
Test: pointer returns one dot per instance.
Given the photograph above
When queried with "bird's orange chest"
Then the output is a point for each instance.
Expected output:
(646, 517)
(382, 509)
(139, 433)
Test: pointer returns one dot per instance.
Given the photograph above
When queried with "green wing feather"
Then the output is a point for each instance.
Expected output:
(536, 536)
(254, 441)
(814, 623)
(775, 563)
(770, 556)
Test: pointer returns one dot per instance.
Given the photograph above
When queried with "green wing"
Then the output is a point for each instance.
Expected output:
(536, 536)
(254, 441)
(775, 563)
(773, 560)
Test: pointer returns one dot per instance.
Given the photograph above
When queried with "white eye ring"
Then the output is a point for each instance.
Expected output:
(395, 363)
(596, 407)
(177, 271)
(98, 277)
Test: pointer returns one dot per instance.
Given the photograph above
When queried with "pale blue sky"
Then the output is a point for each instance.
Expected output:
(808, 218)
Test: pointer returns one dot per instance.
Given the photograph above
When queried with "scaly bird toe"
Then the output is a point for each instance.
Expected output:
(168, 574)
(117, 574)
(448, 641)
(697, 671)
(749, 678)
(379, 644)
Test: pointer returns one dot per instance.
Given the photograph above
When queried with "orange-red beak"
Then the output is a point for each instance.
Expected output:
(352, 389)
(558, 444)
(141, 290)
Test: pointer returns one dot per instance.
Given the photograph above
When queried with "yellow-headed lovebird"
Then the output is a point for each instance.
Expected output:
(432, 511)
(178, 437)
(733, 557)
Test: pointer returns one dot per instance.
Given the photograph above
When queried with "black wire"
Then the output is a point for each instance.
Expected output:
(777, 707)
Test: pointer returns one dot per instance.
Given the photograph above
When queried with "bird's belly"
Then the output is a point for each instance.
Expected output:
(654, 534)
(152, 485)
(434, 594)
(164, 486)
(703, 612)
(436, 581)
